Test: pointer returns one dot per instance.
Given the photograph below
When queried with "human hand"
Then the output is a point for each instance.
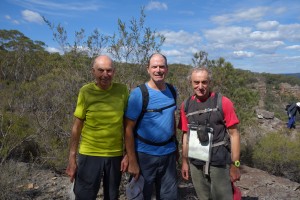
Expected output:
(185, 170)
(124, 163)
(235, 174)
(71, 170)
(134, 170)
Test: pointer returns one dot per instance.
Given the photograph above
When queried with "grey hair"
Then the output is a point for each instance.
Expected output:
(199, 69)
(165, 58)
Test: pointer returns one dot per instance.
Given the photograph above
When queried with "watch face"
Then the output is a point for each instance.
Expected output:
(237, 163)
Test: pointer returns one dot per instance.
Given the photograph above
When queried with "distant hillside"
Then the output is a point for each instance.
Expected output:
(295, 74)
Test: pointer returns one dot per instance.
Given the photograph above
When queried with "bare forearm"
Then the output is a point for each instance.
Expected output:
(129, 140)
(235, 144)
(130, 147)
(75, 137)
(184, 147)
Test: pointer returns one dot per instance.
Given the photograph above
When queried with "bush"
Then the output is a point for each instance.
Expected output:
(278, 154)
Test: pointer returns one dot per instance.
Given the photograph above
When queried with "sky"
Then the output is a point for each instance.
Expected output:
(255, 35)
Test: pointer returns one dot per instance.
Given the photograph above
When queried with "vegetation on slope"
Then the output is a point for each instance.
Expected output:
(39, 91)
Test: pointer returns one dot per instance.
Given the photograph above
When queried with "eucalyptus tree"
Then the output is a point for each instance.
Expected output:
(132, 46)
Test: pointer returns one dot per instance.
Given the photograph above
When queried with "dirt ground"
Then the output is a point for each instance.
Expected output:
(255, 184)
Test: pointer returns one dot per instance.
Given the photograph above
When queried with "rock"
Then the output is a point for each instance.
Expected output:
(264, 114)
(258, 184)
(254, 184)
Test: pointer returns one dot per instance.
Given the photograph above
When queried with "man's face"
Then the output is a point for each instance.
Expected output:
(103, 72)
(157, 68)
(200, 84)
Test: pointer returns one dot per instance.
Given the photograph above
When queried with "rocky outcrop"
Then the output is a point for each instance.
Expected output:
(263, 114)
(258, 184)
(286, 88)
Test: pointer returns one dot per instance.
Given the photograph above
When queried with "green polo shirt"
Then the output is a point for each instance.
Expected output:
(102, 112)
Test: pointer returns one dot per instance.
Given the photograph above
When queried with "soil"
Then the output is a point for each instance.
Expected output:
(255, 184)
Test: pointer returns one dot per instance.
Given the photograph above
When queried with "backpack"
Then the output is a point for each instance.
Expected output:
(145, 98)
(217, 108)
(217, 105)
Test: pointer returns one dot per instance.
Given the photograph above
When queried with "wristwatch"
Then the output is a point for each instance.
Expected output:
(236, 163)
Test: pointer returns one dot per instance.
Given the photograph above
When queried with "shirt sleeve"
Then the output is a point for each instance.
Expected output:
(230, 116)
(183, 121)
(134, 106)
(80, 110)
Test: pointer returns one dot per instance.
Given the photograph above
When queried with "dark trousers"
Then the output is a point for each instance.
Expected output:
(159, 171)
(91, 169)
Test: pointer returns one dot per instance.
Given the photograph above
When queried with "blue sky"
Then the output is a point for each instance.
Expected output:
(255, 35)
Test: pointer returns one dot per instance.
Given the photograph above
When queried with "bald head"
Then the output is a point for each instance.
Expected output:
(102, 60)
(103, 71)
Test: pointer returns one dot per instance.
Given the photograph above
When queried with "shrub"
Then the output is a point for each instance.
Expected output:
(278, 154)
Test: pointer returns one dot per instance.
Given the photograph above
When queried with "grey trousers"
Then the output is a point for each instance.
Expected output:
(215, 186)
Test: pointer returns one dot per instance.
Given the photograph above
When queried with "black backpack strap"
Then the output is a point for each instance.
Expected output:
(173, 91)
(172, 139)
(145, 97)
(219, 103)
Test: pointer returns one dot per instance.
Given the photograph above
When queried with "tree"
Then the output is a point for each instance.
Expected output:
(133, 45)
(16, 49)
(200, 59)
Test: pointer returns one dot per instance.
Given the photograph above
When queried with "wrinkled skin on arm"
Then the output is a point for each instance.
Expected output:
(235, 152)
(74, 143)
(185, 165)
(133, 167)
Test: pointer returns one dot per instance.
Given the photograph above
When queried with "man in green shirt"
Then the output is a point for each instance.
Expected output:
(98, 132)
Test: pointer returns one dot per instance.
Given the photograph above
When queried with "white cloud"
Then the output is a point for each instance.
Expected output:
(269, 35)
(156, 5)
(240, 54)
(290, 32)
(280, 10)
(181, 37)
(53, 50)
(292, 58)
(172, 52)
(252, 14)
(267, 25)
(227, 34)
(293, 47)
(32, 16)
(14, 21)
(268, 47)
(51, 5)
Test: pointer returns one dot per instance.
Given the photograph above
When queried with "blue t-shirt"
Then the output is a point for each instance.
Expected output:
(155, 126)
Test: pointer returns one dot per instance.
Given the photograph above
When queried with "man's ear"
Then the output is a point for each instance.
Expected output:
(92, 71)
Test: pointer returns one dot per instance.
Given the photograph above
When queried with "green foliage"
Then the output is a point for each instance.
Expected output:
(14, 130)
(276, 79)
(278, 154)
(38, 90)
(232, 83)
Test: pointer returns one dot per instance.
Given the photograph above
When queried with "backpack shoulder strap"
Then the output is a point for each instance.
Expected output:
(219, 103)
(186, 103)
(173, 91)
(145, 97)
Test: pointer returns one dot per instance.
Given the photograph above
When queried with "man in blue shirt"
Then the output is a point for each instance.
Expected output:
(151, 141)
